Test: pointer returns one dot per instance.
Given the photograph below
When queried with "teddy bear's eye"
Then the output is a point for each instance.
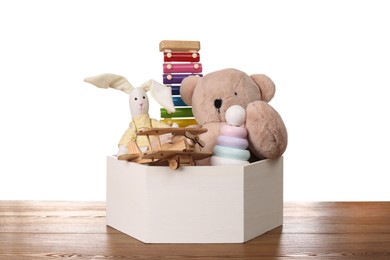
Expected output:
(143, 97)
(135, 98)
(235, 93)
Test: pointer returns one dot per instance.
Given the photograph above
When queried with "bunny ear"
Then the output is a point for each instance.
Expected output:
(161, 93)
(109, 80)
(147, 85)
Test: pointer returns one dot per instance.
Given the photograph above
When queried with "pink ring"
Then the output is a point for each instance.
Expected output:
(234, 131)
(234, 142)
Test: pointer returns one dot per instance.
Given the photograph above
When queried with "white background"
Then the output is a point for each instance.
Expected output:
(329, 59)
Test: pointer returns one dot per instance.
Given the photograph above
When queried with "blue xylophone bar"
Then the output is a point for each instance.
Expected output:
(178, 102)
(175, 89)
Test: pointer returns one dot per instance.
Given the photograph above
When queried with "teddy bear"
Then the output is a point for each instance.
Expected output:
(211, 95)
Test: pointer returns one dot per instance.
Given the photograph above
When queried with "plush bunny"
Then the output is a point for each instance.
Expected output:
(139, 106)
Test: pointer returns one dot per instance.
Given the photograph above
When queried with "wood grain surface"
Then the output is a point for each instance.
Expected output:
(77, 230)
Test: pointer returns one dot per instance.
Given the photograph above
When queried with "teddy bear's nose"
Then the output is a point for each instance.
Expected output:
(218, 103)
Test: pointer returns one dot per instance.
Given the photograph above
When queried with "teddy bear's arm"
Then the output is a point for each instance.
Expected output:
(267, 134)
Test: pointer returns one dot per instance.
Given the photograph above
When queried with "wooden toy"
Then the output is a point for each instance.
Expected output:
(178, 46)
(181, 59)
(181, 150)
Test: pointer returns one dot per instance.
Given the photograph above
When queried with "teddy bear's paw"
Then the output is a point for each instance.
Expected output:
(267, 134)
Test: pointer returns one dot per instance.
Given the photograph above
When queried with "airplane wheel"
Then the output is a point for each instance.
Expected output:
(174, 164)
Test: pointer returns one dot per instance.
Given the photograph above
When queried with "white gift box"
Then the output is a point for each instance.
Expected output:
(194, 204)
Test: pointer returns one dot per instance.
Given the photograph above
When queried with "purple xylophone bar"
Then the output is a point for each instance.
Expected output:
(176, 78)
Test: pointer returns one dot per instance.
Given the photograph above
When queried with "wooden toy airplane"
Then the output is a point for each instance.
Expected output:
(181, 150)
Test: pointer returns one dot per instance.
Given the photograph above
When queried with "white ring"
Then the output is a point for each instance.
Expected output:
(220, 161)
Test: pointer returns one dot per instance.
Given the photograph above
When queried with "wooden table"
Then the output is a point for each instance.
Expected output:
(77, 230)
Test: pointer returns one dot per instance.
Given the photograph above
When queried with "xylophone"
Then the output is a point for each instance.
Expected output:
(181, 59)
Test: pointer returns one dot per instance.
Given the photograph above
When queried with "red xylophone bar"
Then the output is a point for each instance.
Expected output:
(181, 56)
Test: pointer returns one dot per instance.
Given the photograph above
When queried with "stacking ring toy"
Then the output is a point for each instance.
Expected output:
(233, 142)
(234, 131)
(231, 153)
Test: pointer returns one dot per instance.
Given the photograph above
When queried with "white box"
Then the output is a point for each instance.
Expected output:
(194, 204)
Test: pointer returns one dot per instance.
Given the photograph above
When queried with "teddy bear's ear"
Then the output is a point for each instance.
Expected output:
(266, 86)
(187, 88)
